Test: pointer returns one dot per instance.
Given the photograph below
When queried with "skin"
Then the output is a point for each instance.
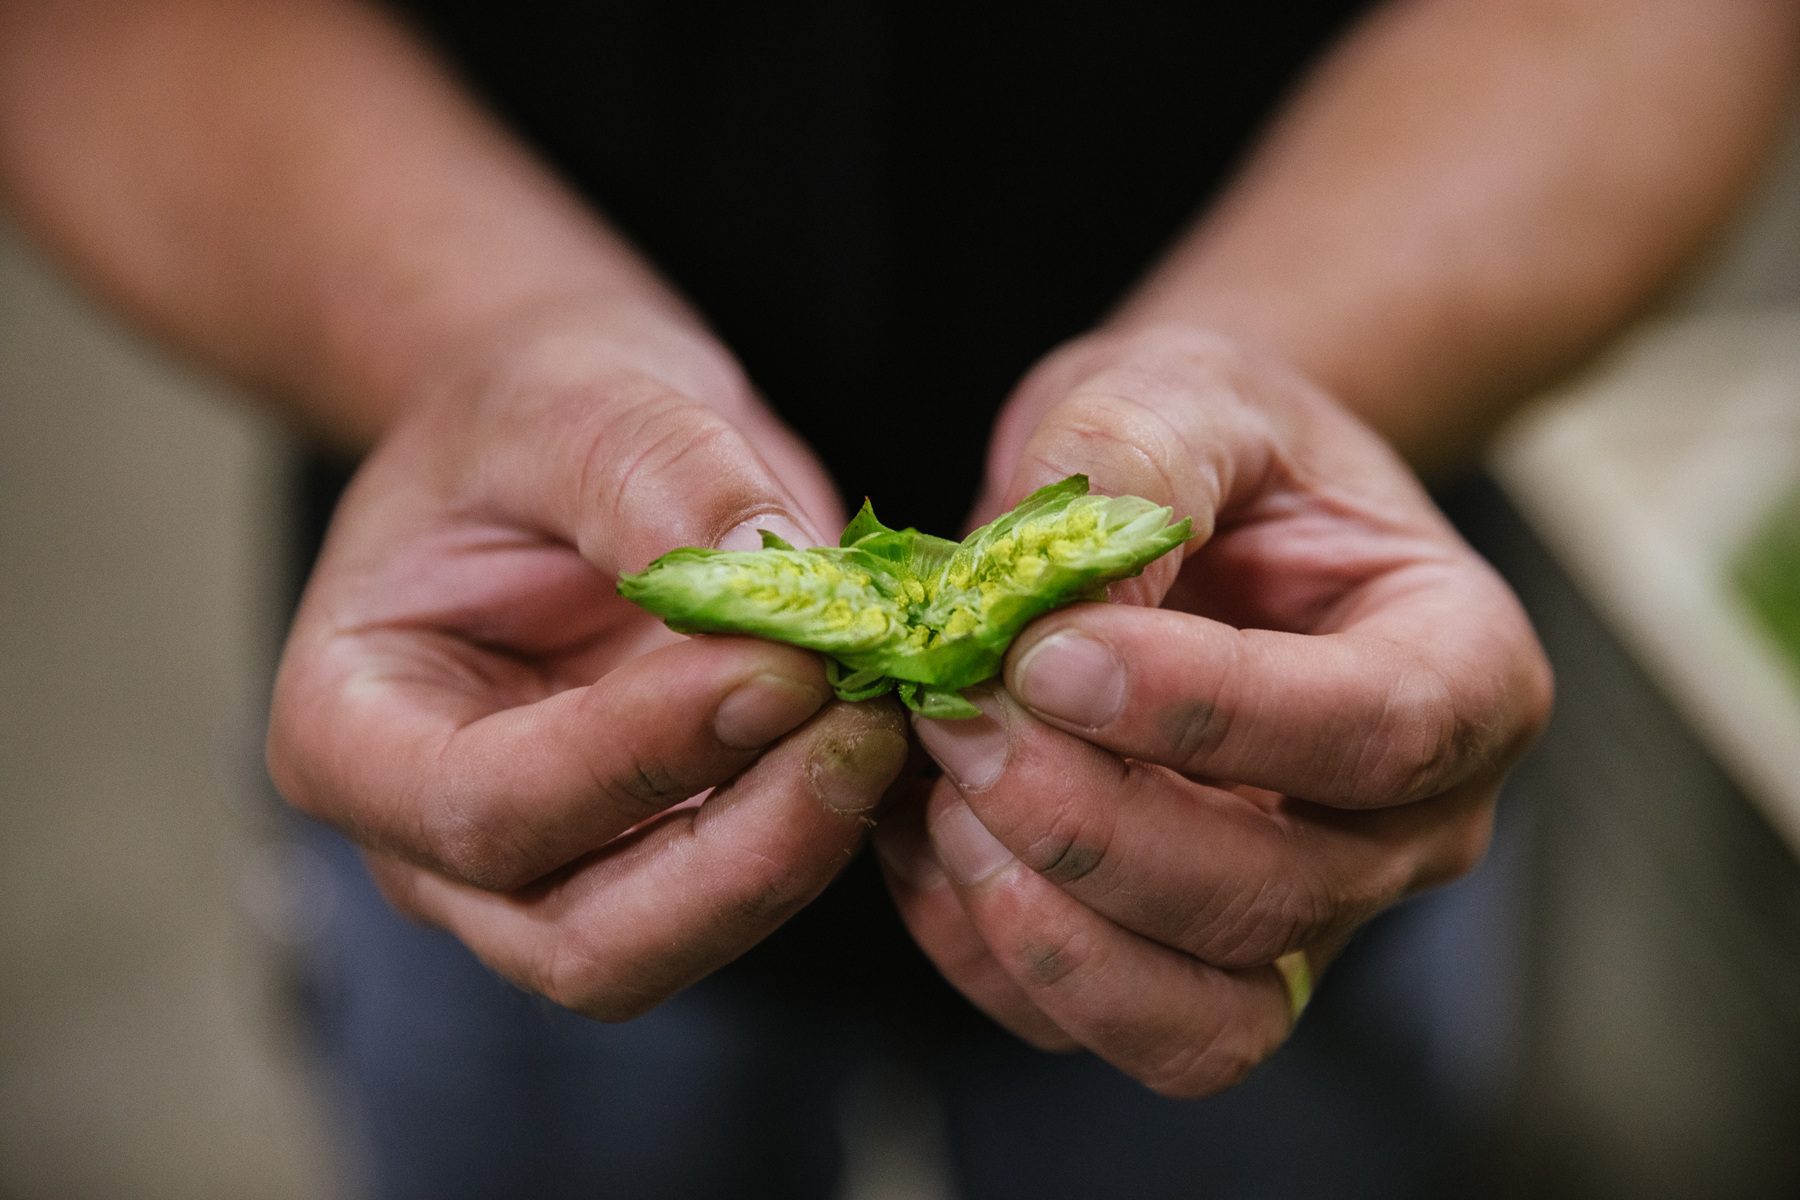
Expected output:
(462, 692)
(1294, 723)
(1312, 709)
(1312, 718)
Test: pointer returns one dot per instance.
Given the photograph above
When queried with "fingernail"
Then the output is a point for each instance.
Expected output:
(748, 536)
(968, 851)
(852, 776)
(1073, 678)
(972, 752)
(908, 854)
(763, 708)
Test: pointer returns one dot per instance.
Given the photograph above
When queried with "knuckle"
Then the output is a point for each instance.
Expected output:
(286, 754)
(655, 452)
(1329, 900)
(283, 766)
(1196, 726)
(1419, 742)
(1539, 698)
(766, 891)
(1192, 1070)
(1241, 928)
(1466, 849)
(673, 434)
(1194, 730)
(1053, 959)
(1469, 852)
(470, 842)
(1074, 842)
(1337, 905)
(578, 973)
(1123, 441)
(644, 788)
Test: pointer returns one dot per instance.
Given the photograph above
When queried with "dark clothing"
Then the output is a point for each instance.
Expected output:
(889, 212)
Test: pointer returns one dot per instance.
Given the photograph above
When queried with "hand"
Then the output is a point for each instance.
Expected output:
(1163, 801)
(464, 693)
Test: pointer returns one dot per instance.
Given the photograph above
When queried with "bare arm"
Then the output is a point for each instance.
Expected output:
(297, 194)
(1468, 196)
(1465, 197)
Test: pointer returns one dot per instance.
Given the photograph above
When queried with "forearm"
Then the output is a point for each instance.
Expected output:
(1468, 196)
(297, 194)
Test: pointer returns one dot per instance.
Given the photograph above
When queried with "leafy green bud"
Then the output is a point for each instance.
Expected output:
(898, 608)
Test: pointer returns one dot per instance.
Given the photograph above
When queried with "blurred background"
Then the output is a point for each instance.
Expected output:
(1647, 1027)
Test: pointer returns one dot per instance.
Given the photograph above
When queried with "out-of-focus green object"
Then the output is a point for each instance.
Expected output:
(1766, 573)
(900, 610)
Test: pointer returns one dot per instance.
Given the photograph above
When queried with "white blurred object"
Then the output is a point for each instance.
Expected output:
(1646, 478)
(1647, 473)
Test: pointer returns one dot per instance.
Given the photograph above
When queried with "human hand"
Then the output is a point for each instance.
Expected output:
(464, 693)
(1299, 718)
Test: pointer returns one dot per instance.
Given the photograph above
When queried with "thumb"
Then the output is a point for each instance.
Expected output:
(1175, 429)
(629, 470)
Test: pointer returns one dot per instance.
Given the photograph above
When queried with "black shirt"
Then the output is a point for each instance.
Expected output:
(888, 211)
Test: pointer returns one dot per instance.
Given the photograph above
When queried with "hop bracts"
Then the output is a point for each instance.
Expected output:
(898, 609)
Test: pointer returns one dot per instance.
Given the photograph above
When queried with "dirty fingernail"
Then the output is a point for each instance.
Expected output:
(852, 776)
(762, 708)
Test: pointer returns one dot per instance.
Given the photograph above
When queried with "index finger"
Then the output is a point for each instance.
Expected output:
(1438, 679)
(622, 929)
(392, 741)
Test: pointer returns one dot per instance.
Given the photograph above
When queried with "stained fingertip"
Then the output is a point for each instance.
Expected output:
(850, 773)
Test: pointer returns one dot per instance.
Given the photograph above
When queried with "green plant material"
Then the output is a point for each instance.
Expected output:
(899, 610)
(1767, 576)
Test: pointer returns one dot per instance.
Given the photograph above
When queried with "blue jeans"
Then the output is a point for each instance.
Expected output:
(452, 1083)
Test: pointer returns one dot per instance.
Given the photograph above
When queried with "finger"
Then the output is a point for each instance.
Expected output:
(390, 743)
(639, 920)
(1439, 681)
(1186, 438)
(624, 467)
(1191, 420)
(1174, 1023)
(1231, 879)
(935, 918)
(1426, 670)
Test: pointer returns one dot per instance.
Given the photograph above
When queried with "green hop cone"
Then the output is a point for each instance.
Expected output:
(896, 609)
